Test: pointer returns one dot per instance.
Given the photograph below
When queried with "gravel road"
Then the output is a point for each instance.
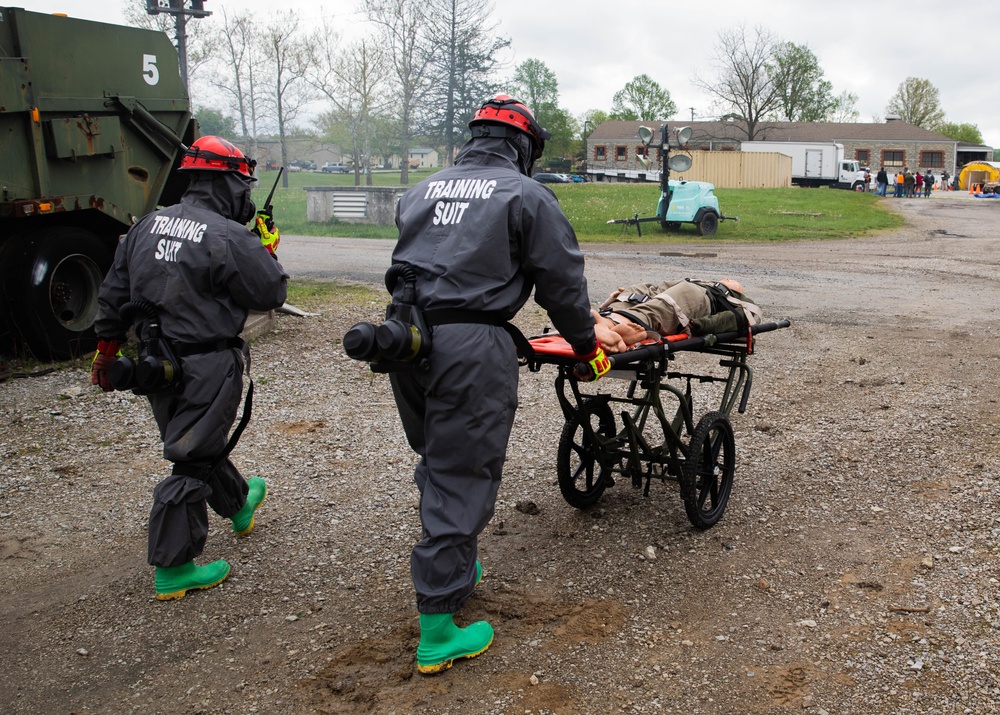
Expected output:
(855, 570)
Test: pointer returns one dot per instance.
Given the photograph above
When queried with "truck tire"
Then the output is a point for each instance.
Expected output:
(51, 281)
(708, 224)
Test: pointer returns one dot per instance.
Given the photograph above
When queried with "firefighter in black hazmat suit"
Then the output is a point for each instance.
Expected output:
(479, 236)
(196, 270)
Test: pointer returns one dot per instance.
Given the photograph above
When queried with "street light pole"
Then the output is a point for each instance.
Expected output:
(180, 12)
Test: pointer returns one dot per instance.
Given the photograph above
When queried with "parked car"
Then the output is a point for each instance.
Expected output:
(552, 179)
(334, 167)
(303, 164)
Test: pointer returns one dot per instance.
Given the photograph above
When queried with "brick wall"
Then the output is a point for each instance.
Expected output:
(911, 154)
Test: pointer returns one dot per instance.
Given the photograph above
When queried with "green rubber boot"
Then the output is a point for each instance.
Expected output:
(243, 519)
(441, 641)
(175, 581)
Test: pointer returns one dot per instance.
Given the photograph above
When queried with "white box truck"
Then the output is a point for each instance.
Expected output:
(816, 163)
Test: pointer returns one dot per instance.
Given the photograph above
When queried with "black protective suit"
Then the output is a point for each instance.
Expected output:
(480, 236)
(202, 271)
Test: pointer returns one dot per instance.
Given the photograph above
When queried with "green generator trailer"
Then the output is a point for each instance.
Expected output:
(93, 118)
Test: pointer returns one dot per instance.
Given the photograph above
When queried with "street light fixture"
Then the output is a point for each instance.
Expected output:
(586, 145)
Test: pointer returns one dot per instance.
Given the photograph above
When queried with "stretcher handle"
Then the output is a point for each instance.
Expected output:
(649, 352)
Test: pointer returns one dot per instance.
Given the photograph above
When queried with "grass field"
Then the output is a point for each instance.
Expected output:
(765, 214)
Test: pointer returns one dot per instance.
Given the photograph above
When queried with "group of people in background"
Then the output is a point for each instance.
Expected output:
(907, 184)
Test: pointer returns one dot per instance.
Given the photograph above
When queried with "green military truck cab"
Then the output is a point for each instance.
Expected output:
(92, 120)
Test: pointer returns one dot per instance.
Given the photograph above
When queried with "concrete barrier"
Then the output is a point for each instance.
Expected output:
(353, 204)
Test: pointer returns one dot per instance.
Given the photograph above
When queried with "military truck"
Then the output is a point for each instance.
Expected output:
(93, 118)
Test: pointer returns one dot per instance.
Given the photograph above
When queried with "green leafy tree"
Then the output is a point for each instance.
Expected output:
(217, 123)
(743, 85)
(642, 99)
(536, 85)
(960, 132)
(591, 120)
(564, 129)
(918, 102)
(803, 94)
(588, 122)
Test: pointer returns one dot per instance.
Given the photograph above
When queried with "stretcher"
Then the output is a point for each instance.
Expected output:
(623, 430)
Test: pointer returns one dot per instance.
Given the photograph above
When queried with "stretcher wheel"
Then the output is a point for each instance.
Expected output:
(582, 479)
(707, 477)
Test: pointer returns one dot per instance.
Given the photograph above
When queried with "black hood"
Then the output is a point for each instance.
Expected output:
(223, 192)
(514, 150)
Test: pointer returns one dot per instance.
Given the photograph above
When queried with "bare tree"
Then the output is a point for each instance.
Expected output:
(917, 101)
(410, 54)
(240, 67)
(743, 83)
(471, 54)
(353, 79)
(845, 108)
(288, 56)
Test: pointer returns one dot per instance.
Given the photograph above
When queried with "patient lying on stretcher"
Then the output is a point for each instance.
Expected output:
(689, 306)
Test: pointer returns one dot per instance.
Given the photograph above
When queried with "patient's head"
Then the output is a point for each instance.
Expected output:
(732, 284)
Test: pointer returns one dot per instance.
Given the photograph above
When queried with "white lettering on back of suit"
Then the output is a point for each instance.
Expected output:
(175, 227)
(451, 212)
(166, 250)
(180, 228)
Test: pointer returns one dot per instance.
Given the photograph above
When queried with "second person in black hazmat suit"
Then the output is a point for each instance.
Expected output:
(479, 236)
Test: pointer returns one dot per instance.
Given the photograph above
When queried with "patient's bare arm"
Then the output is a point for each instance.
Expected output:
(630, 332)
(609, 339)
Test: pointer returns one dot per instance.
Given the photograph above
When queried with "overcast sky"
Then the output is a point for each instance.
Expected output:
(596, 47)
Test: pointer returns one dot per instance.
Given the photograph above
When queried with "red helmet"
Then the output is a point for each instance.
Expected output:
(505, 110)
(212, 153)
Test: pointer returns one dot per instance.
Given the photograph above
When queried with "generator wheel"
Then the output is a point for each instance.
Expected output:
(708, 224)
(51, 282)
(707, 477)
(582, 479)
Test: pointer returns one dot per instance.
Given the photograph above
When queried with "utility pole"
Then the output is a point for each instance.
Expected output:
(692, 114)
(180, 12)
